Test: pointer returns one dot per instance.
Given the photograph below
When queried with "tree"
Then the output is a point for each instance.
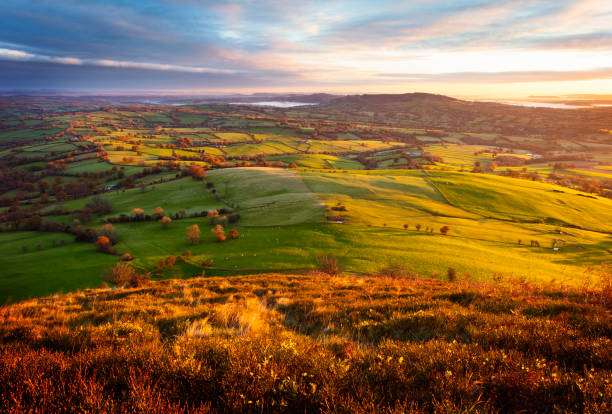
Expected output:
(219, 232)
(193, 234)
(108, 230)
(233, 234)
(165, 222)
(418, 227)
(197, 172)
(158, 212)
(212, 216)
(137, 212)
(104, 244)
(444, 229)
(120, 274)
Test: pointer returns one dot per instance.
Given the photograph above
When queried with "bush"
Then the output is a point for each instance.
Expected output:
(328, 265)
(126, 257)
(120, 274)
(396, 271)
(139, 280)
(444, 229)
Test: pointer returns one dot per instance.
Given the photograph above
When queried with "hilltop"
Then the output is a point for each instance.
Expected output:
(310, 343)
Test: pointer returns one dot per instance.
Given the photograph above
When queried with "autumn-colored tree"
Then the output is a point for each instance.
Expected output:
(444, 229)
(219, 232)
(165, 222)
(212, 216)
(108, 230)
(158, 212)
(193, 234)
(104, 244)
(233, 234)
(120, 274)
(197, 172)
(137, 211)
(418, 227)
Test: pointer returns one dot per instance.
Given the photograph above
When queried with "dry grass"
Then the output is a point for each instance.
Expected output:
(282, 343)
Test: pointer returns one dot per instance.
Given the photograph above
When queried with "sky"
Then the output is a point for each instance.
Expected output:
(462, 48)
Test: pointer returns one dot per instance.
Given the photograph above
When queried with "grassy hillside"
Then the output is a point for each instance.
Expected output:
(290, 343)
(283, 227)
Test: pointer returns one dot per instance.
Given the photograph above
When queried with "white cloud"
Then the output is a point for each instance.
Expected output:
(19, 55)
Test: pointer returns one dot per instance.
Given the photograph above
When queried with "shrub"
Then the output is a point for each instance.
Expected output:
(444, 229)
(396, 271)
(139, 280)
(120, 274)
(328, 265)
(126, 257)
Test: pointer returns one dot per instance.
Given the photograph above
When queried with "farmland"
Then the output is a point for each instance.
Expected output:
(294, 187)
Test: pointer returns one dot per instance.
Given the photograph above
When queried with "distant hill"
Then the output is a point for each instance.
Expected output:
(438, 111)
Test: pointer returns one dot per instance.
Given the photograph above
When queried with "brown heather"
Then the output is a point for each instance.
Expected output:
(315, 343)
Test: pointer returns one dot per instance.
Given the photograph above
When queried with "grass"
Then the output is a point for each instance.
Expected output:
(522, 200)
(318, 161)
(182, 194)
(283, 228)
(50, 269)
(309, 343)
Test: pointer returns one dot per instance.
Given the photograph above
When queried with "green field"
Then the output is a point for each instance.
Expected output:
(283, 227)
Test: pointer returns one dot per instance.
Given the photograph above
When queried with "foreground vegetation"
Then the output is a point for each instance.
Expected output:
(307, 343)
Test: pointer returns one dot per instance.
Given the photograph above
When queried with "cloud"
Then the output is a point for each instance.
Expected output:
(506, 77)
(309, 41)
(8, 54)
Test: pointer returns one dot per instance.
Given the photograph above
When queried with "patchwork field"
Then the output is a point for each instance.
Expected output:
(294, 184)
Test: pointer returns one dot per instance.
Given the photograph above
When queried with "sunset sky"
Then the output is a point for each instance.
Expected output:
(464, 48)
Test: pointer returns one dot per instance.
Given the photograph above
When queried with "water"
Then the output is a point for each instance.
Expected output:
(544, 105)
(277, 104)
